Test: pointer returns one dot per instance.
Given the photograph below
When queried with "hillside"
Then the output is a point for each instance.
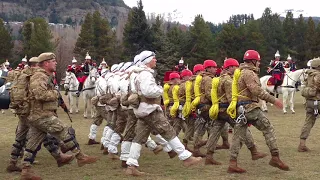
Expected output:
(61, 11)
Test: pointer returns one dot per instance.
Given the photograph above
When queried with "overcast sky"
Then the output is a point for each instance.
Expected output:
(221, 10)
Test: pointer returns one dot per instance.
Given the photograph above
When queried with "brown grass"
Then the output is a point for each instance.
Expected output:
(302, 165)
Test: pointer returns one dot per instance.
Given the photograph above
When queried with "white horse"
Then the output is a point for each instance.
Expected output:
(71, 82)
(89, 91)
(287, 89)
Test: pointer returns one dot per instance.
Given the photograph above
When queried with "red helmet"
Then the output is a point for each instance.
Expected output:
(209, 63)
(251, 55)
(197, 67)
(174, 75)
(186, 72)
(230, 62)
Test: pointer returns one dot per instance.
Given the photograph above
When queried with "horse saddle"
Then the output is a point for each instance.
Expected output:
(272, 81)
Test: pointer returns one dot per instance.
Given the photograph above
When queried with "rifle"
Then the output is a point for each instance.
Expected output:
(63, 105)
(61, 101)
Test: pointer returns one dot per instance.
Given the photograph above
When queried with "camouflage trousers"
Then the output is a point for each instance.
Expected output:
(121, 120)
(200, 127)
(262, 123)
(219, 127)
(100, 115)
(310, 119)
(21, 138)
(129, 132)
(38, 132)
(189, 132)
(50, 143)
(156, 122)
(178, 125)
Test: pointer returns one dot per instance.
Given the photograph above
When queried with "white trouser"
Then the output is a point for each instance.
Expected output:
(114, 142)
(93, 131)
(105, 130)
(125, 150)
(107, 138)
(134, 154)
(163, 142)
(151, 144)
(179, 148)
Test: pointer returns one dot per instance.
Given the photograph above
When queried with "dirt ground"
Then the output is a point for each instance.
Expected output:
(287, 126)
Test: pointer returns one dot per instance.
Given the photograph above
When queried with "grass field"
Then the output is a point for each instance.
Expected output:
(288, 126)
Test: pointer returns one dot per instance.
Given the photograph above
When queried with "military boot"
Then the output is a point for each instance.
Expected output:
(28, 174)
(255, 155)
(113, 156)
(197, 153)
(105, 151)
(276, 162)
(191, 161)
(92, 142)
(124, 164)
(233, 167)
(84, 159)
(225, 145)
(133, 171)
(185, 143)
(64, 159)
(172, 154)
(158, 149)
(12, 167)
(210, 161)
(302, 146)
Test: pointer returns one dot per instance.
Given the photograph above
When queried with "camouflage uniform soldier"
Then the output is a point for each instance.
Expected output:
(101, 112)
(248, 94)
(220, 116)
(151, 117)
(43, 118)
(312, 95)
(187, 78)
(22, 129)
(202, 105)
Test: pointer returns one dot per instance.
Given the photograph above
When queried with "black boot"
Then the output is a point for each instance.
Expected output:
(66, 92)
(79, 89)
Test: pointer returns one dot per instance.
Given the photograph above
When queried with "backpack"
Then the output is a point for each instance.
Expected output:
(19, 93)
(309, 91)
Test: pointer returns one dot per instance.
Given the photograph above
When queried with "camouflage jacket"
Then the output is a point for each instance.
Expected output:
(250, 87)
(224, 90)
(12, 75)
(313, 81)
(43, 95)
(206, 85)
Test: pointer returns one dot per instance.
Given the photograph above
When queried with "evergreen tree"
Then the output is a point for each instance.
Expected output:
(137, 35)
(85, 41)
(299, 38)
(271, 28)
(36, 37)
(201, 39)
(289, 32)
(6, 44)
(311, 40)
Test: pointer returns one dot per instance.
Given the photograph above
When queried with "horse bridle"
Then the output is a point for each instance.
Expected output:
(298, 77)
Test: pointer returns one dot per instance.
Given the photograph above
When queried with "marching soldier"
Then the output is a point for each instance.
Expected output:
(151, 117)
(221, 97)
(43, 118)
(22, 129)
(312, 95)
(248, 93)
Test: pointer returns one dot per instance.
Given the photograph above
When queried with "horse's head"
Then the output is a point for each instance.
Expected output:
(70, 80)
(93, 75)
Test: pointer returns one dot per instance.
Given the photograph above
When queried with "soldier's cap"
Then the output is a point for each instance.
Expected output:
(315, 63)
(46, 56)
(34, 60)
